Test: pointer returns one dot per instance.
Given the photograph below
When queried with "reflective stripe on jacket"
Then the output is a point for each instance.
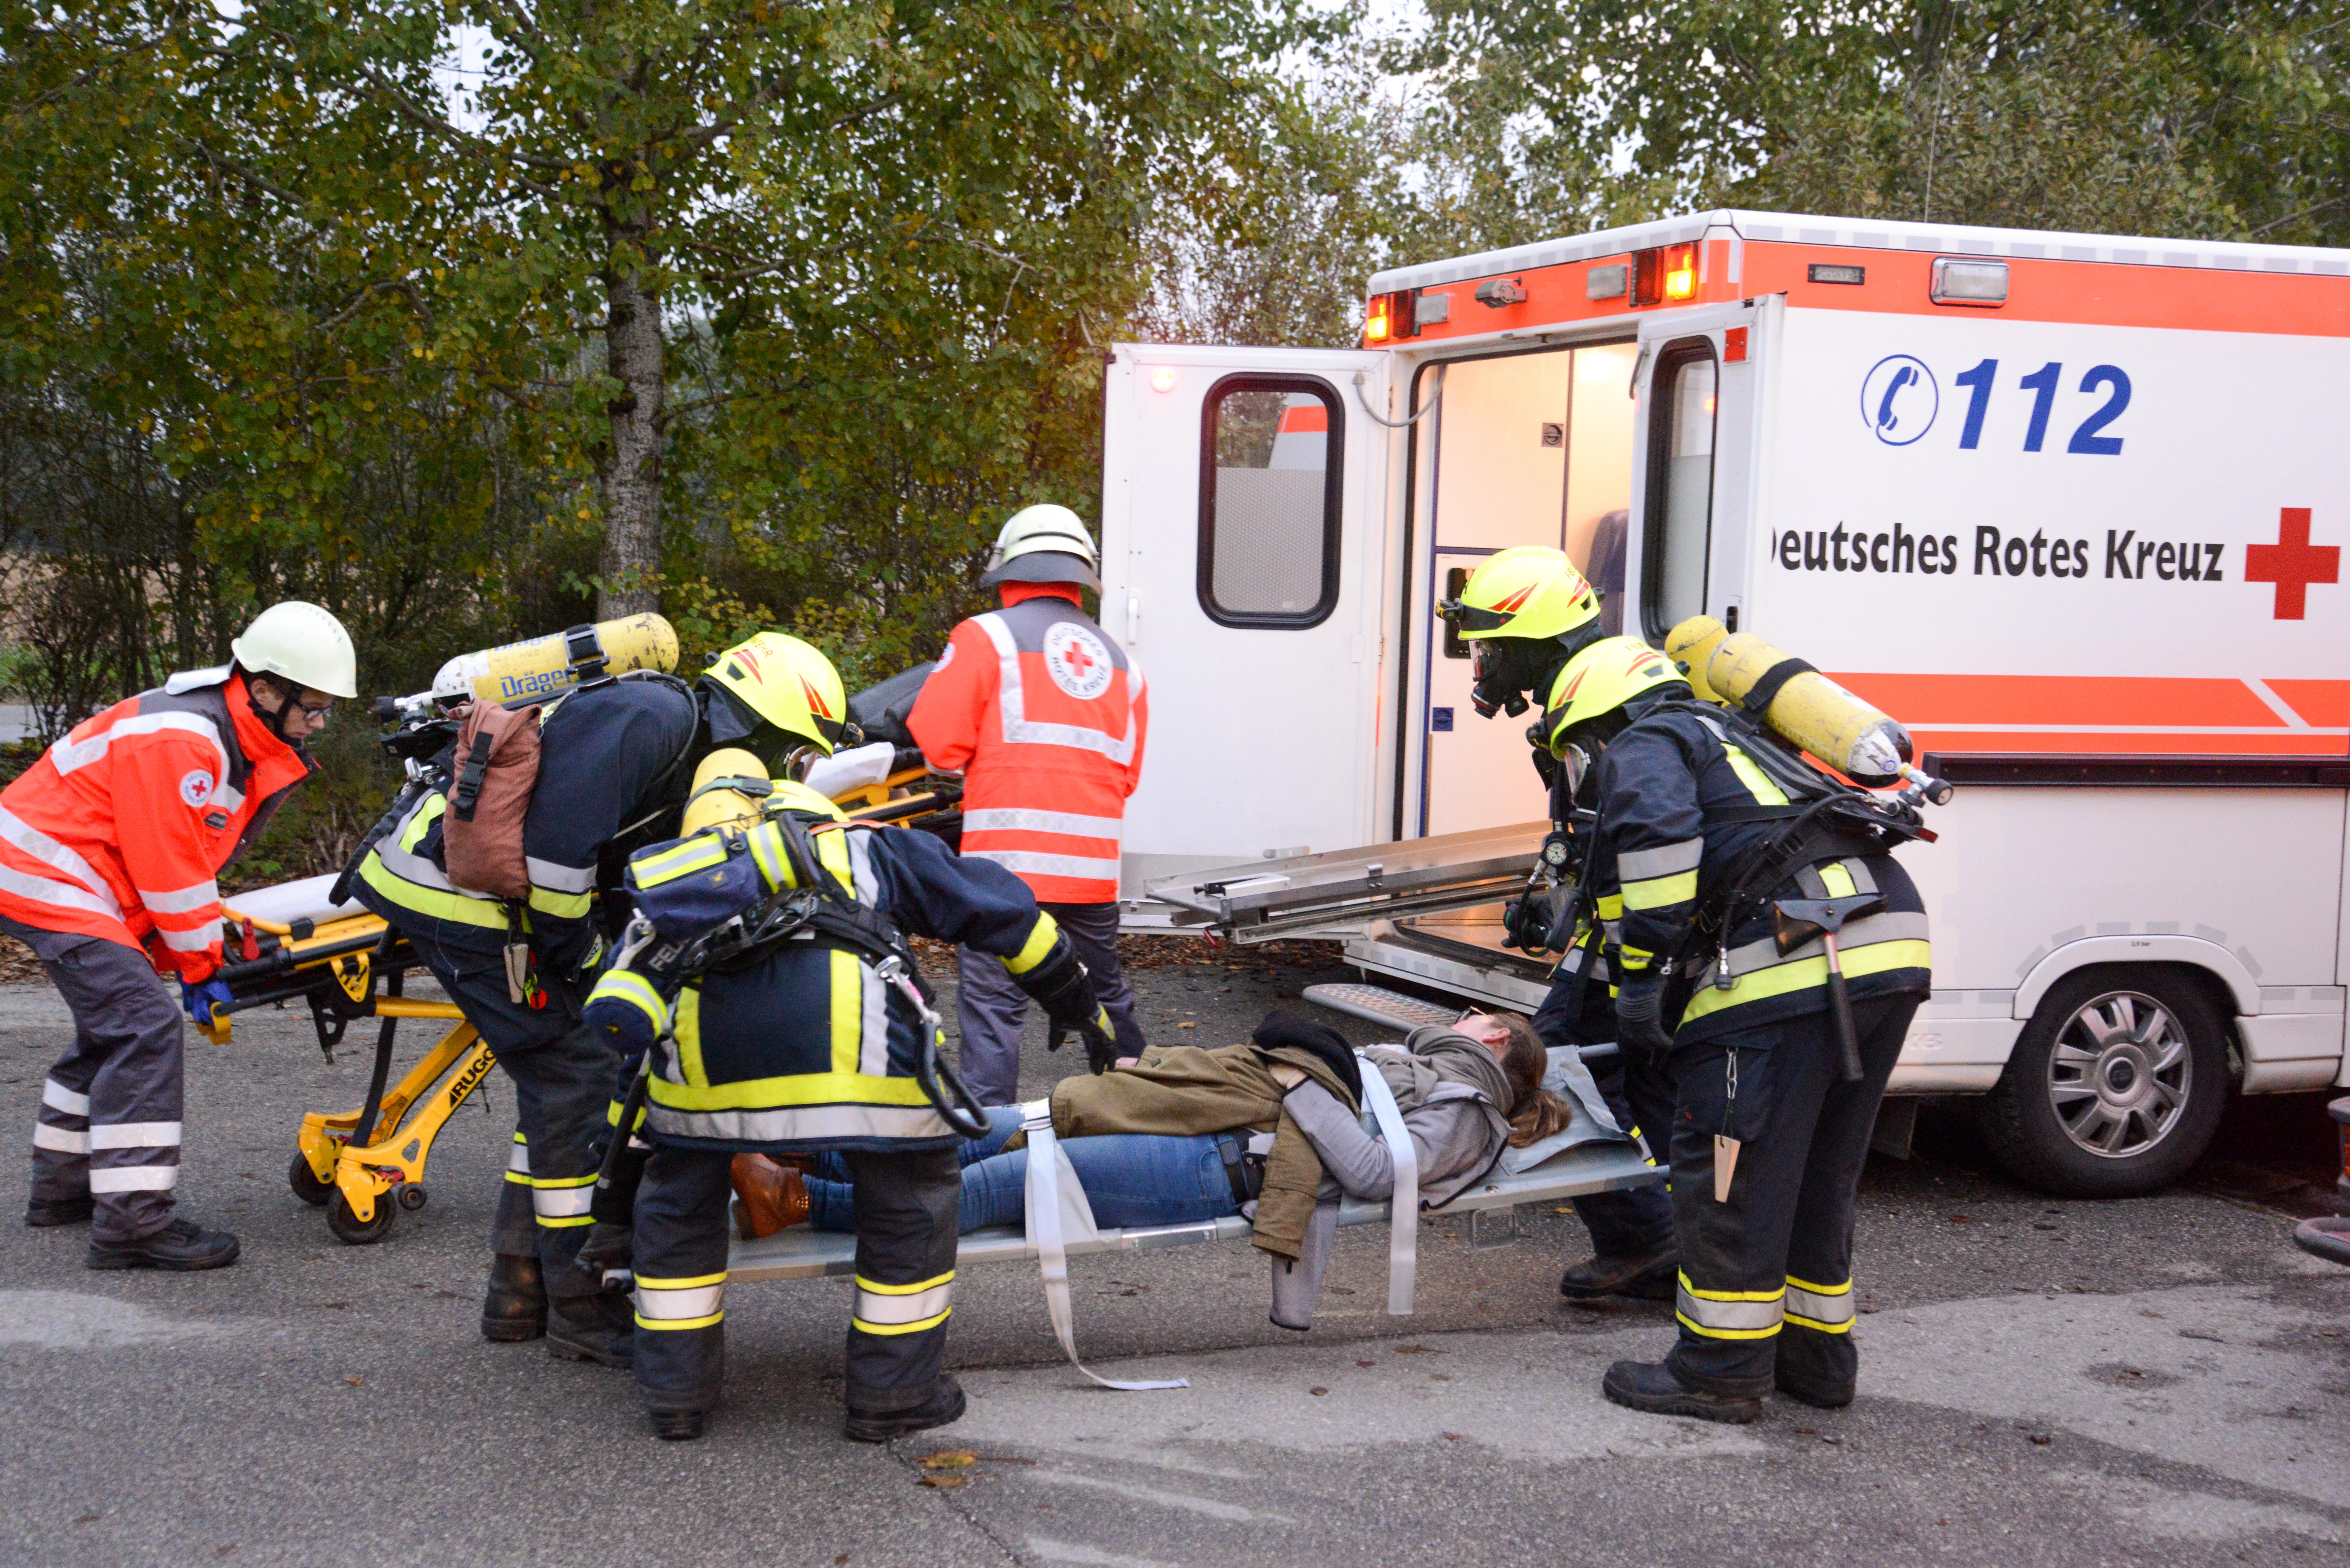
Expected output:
(805, 1047)
(120, 829)
(1044, 714)
(605, 752)
(1654, 862)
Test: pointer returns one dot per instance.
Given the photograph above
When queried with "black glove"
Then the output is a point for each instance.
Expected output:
(1641, 1013)
(1062, 988)
(608, 1247)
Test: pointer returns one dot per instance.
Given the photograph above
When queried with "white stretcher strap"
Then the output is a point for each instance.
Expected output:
(1043, 1198)
(1403, 1209)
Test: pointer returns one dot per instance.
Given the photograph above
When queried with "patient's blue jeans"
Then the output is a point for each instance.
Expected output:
(1130, 1178)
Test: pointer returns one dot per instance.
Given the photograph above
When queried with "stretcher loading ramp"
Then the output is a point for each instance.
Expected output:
(1342, 892)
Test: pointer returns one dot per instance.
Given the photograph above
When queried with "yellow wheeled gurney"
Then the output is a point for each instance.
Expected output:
(289, 943)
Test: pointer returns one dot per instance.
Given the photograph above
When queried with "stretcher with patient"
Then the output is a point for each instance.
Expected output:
(289, 943)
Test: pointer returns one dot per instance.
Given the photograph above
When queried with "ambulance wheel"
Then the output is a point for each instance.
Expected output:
(347, 1227)
(2115, 1087)
(305, 1183)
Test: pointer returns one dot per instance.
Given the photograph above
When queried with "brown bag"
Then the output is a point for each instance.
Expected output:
(769, 1195)
(496, 770)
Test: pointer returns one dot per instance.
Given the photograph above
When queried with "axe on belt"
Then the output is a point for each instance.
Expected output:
(1797, 921)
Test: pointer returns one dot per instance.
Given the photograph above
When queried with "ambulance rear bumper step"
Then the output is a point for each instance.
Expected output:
(1377, 1005)
(1339, 893)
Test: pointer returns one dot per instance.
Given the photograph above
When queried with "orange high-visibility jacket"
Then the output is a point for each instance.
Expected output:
(1044, 715)
(119, 828)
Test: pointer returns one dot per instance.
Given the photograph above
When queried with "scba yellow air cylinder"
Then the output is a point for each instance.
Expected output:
(1808, 709)
(544, 666)
(712, 804)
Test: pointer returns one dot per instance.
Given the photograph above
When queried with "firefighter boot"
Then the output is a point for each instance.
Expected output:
(1649, 1385)
(1645, 1276)
(181, 1246)
(1817, 1368)
(515, 1307)
(943, 1406)
(598, 1328)
(678, 1426)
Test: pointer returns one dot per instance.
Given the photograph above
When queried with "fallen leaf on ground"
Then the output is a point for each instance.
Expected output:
(355, 1382)
(949, 1460)
(1452, 1436)
(1415, 1350)
(1317, 1391)
(941, 1482)
(1366, 1363)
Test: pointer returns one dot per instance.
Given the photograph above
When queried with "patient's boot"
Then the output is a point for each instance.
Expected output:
(1648, 1276)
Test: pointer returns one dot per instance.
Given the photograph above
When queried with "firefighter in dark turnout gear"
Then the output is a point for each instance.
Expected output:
(616, 759)
(806, 1038)
(1706, 825)
(1524, 614)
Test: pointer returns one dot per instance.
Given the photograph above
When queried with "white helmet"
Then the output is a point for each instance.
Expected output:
(305, 644)
(1044, 545)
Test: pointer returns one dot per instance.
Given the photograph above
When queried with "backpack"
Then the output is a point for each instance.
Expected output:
(495, 768)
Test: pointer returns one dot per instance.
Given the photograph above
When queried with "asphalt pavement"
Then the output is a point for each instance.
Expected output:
(2160, 1380)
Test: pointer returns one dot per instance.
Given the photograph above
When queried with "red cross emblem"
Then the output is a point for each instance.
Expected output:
(2292, 563)
(1077, 658)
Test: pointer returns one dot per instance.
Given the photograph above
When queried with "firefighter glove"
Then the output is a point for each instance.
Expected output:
(1640, 1014)
(200, 998)
(606, 1248)
(1062, 988)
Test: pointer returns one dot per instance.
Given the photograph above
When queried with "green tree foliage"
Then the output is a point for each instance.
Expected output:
(2210, 119)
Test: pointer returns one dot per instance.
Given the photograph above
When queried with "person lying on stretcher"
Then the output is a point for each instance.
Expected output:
(1466, 1091)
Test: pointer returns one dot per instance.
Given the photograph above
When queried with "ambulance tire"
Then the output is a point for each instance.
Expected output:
(2020, 1119)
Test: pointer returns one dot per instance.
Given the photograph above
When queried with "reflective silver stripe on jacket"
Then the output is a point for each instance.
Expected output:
(69, 754)
(1664, 860)
(1024, 819)
(790, 1123)
(93, 895)
(1764, 954)
(1037, 863)
(1012, 702)
(181, 900)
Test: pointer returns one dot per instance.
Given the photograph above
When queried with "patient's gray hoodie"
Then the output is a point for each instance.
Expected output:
(1451, 1092)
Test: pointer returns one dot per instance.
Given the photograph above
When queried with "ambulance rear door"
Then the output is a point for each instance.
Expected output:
(1243, 558)
(1698, 446)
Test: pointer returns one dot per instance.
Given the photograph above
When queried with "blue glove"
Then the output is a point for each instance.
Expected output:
(200, 999)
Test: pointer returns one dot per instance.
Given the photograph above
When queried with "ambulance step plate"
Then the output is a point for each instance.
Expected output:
(1379, 1005)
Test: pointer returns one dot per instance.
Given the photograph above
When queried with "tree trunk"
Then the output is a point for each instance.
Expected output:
(630, 472)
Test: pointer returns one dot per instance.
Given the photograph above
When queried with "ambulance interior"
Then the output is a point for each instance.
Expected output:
(1520, 449)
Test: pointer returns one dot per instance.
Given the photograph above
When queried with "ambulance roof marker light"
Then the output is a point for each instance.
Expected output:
(1162, 379)
(1966, 280)
(1681, 271)
(1377, 321)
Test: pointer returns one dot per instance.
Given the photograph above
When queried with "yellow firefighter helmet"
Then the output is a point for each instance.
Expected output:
(788, 683)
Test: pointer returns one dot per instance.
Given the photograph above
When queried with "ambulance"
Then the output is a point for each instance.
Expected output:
(2071, 508)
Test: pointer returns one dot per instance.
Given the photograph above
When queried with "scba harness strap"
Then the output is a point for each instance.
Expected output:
(812, 907)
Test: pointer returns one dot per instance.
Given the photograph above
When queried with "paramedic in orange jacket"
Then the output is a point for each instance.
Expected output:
(1043, 715)
(108, 847)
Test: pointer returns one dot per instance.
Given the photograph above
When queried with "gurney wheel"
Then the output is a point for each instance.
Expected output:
(346, 1226)
(305, 1183)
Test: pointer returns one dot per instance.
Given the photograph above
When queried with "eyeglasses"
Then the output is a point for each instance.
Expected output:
(319, 712)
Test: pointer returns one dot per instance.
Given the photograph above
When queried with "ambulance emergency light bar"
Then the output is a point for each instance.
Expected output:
(1658, 276)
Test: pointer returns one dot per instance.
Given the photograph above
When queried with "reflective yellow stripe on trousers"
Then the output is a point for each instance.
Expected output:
(695, 1302)
(1729, 1314)
(903, 1309)
(1827, 1308)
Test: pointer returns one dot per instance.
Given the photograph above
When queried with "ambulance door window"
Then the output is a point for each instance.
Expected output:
(1678, 527)
(1269, 502)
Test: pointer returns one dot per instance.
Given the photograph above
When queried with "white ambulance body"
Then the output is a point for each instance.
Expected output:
(2070, 507)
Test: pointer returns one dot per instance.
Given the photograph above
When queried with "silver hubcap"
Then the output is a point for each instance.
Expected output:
(2120, 1073)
